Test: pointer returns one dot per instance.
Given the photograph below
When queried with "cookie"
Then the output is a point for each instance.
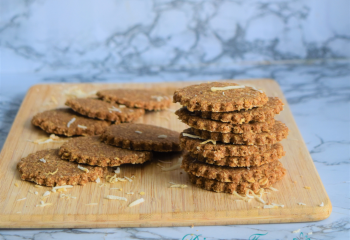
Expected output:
(95, 108)
(209, 97)
(136, 98)
(66, 122)
(142, 137)
(276, 152)
(277, 133)
(231, 187)
(48, 169)
(259, 175)
(194, 121)
(219, 150)
(90, 150)
(259, 114)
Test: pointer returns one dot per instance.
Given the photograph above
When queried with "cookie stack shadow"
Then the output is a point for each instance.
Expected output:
(232, 144)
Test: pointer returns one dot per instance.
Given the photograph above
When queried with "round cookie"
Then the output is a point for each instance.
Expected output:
(260, 175)
(259, 114)
(138, 98)
(219, 150)
(95, 108)
(48, 169)
(230, 187)
(205, 97)
(216, 126)
(57, 121)
(271, 155)
(90, 150)
(142, 137)
(277, 133)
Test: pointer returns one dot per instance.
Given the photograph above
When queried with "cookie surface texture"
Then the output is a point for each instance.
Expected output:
(137, 98)
(219, 150)
(95, 108)
(276, 152)
(277, 133)
(206, 97)
(91, 151)
(142, 137)
(194, 121)
(259, 174)
(48, 169)
(259, 114)
(68, 123)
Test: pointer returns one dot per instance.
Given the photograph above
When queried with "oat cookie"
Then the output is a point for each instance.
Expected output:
(142, 137)
(277, 133)
(271, 155)
(66, 122)
(219, 150)
(91, 151)
(258, 114)
(205, 97)
(95, 108)
(48, 169)
(138, 98)
(260, 175)
(216, 126)
(231, 187)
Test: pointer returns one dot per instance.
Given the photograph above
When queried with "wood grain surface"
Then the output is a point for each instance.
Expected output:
(163, 206)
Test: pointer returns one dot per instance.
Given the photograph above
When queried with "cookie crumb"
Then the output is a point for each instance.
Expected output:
(307, 187)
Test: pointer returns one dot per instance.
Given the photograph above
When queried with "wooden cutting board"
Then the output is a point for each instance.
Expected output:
(163, 206)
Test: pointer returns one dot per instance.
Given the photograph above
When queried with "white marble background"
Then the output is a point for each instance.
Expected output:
(304, 45)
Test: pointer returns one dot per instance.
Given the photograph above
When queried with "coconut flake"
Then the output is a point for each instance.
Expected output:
(82, 126)
(83, 169)
(209, 140)
(190, 135)
(322, 204)
(129, 179)
(42, 160)
(296, 231)
(138, 201)
(52, 173)
(47, 193)
(174, 167)
(162, 136)
(112, 197)
(307, 187)
(273, 189)
(114, 109)
(70, 122)
(64, 186)
(130, 193)
(213, 89)
(300, 203)
(175, 185)
(117, 171)
(42, 204)
(98, 180)
(158, 98)
(139, 132)
(21, 199)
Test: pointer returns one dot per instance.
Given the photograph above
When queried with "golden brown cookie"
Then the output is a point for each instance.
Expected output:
(216, 126)
(277, 133)
(142, 137)
(48, 169)
(232, 187)
(219, 150)
(66, 122)
(90, 150)
(259, 175)
(95, 108)
(136, 98)
(271, 155)
(208, 97)
(258, 114)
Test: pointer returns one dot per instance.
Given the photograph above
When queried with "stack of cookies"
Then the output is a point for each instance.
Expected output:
(91, 116)
(233, 143)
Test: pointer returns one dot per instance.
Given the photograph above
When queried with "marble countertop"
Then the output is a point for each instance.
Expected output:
(318, 94)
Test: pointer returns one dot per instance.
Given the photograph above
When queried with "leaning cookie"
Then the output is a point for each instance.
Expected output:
(216, 126)
(66, 122)
(95, 108)
(260, 174)
(219, 97)
(142, 137)
(217, 151)
(48, 169)
(277, 133)
(136, 98)
(91, 151)
(276, 152)
(258, 114)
